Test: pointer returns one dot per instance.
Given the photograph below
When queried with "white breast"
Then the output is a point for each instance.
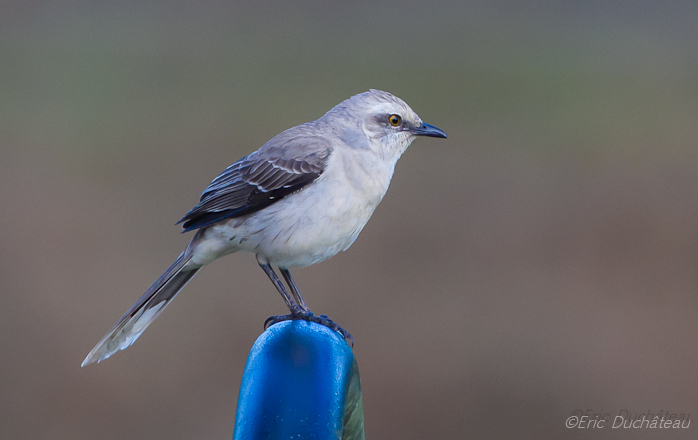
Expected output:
(313, 224)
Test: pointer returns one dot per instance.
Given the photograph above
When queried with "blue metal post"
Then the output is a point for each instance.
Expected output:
(301, 381)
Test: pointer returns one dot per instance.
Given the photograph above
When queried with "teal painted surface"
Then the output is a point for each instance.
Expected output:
(301, 381)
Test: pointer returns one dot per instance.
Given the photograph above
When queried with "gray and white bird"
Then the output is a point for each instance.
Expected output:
(301, 198)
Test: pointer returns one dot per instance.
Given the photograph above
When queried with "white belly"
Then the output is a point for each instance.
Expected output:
(309, 226)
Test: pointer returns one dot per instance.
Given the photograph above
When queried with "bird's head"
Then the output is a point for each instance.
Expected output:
(379, 121)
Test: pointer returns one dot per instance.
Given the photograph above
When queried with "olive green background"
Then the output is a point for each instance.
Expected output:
(543, 259)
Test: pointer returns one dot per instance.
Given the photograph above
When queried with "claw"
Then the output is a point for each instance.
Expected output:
(297, 313)
(275, 319)
(308, 316)
(324, 320)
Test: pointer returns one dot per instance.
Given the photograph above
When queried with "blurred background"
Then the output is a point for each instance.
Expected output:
(542, 260)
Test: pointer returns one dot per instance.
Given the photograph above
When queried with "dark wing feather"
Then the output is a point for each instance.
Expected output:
(281, 167)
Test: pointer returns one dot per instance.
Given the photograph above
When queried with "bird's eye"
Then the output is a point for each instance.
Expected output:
(394, 120)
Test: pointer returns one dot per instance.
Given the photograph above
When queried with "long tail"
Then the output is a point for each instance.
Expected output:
(145, 310)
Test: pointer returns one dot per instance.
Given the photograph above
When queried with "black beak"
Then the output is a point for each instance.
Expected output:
(429, 130)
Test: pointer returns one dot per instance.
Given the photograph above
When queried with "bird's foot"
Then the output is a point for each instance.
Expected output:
(296, 313)
(307, 315)
(327, 322)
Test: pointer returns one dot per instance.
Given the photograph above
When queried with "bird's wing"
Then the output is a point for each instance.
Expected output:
(284, 165)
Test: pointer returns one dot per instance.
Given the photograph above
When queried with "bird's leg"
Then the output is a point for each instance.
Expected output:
(294, 289)
(299, 309)
(294, 308)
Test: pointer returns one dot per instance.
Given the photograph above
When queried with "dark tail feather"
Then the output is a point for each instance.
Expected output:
(144, 311)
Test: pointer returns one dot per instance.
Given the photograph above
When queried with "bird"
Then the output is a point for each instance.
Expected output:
(301, 198)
